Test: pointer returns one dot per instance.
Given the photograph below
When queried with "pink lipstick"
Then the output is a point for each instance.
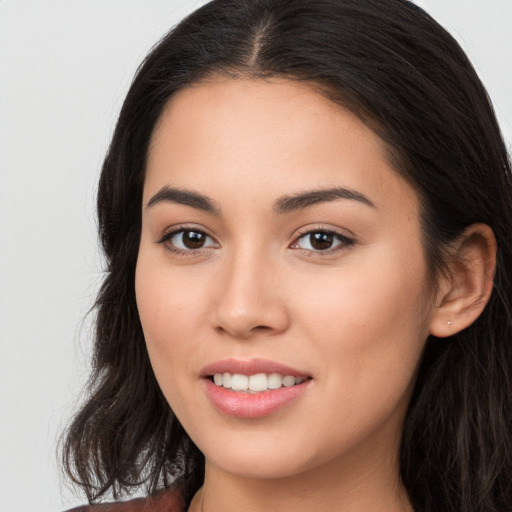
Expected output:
(253, 389)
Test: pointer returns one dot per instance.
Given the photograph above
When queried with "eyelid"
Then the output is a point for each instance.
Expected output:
(346, 241)
(313, 228)
(174, 230)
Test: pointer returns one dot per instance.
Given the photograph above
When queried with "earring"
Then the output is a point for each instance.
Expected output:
(449, 323)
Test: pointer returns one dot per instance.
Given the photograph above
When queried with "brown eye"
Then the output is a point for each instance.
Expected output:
(193, 239)
(187, 240)
(321, 241)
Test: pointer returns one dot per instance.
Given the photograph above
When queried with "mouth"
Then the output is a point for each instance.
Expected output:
(253, 389)
(257, 383)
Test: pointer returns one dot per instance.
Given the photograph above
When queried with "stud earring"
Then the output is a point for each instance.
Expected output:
(449, 323)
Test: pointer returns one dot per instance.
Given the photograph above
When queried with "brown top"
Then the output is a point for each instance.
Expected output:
(166, 501)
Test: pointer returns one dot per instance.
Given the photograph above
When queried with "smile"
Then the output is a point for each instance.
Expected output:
(253, 389)
(255, 383)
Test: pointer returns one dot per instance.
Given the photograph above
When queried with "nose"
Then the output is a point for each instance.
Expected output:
(250, 299)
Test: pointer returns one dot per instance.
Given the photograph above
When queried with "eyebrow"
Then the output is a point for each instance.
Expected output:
(284, 204)
(186, 197)
(302, 200)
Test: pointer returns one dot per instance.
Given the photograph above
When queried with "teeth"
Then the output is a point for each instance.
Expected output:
(226, 380)
(258, 382)
(239, 382)
(275, 381)
(255, 383)
(288, 381)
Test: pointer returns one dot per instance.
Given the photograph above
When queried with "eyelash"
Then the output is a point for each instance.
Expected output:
(166, 241)
(344, 242)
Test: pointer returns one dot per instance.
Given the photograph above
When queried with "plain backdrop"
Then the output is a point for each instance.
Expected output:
(65, 66)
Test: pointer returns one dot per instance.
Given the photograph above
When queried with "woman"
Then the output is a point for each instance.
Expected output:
(306, 213)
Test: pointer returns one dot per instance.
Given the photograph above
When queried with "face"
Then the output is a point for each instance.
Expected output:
(280, 251)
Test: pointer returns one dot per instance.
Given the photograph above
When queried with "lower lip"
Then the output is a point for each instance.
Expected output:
(253, 405)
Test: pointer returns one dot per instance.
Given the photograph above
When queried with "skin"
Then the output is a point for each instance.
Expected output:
(354, 318)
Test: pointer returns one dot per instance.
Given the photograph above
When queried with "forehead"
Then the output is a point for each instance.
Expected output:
(271, 136)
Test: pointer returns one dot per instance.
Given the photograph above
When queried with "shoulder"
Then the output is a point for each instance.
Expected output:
(165, 501)
(137, 505)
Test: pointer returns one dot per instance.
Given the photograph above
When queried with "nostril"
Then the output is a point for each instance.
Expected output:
(245, 318)
(243, 333)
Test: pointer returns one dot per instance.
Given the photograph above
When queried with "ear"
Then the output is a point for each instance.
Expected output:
(466, 289)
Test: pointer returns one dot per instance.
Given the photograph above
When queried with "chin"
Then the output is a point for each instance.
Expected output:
(260, 460)
(260, 468)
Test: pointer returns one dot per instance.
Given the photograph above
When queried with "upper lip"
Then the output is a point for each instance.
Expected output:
(250, 367)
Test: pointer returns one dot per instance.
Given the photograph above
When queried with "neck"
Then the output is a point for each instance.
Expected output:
(331, 488)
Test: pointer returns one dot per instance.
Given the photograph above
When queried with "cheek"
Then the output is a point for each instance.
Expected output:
(167, 321)
(371, 320)
(382, 296)
(168, 313)
(168, 301)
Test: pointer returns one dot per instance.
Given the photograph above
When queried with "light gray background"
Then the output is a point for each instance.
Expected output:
(65, 66)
